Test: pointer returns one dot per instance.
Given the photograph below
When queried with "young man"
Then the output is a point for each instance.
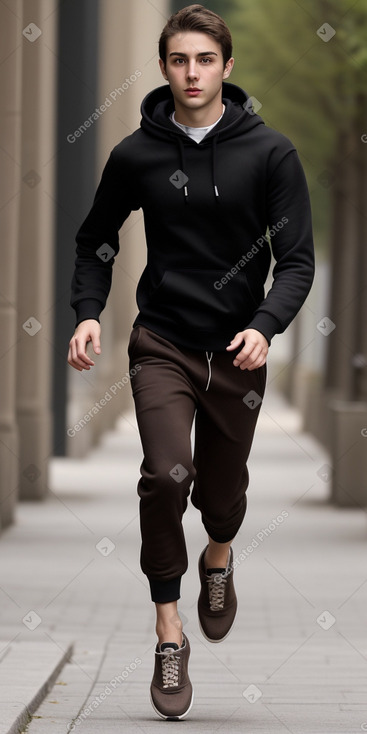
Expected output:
(210, 178)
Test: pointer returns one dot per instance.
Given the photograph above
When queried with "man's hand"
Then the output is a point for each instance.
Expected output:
(255, 351)
(87, 331)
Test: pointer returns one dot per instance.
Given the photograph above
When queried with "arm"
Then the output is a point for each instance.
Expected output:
(97, 245)
(292, 247)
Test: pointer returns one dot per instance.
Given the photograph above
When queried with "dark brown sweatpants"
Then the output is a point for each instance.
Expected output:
(171, 387)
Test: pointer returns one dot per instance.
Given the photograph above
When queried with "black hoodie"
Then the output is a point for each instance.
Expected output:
(207, 208)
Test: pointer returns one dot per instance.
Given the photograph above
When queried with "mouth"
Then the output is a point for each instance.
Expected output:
(192, 91)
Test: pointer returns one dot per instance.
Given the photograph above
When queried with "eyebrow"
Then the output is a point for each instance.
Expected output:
(202, 53)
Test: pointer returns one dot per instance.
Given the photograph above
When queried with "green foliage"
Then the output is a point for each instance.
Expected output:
(308, 87)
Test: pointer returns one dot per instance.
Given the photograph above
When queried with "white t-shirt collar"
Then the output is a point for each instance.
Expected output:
(196, 133)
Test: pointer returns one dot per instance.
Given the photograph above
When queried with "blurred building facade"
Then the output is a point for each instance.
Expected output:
(73, 77)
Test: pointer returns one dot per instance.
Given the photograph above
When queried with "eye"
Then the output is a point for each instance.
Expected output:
(179, 61)
(206, 60)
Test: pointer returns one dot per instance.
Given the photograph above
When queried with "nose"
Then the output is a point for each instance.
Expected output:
(192, 70)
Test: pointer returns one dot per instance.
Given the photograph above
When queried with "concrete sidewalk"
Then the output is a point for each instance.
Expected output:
(72, 590)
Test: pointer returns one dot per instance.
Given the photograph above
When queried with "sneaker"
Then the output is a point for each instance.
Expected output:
(217, 603)
(171, 692)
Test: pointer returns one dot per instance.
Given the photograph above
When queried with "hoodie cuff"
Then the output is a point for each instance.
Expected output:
(267, 324)
(89, 308)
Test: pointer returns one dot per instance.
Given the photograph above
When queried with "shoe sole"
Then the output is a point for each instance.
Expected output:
(221, 638)
(173, 718)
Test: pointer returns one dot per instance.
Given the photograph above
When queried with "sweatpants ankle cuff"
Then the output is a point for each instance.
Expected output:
(165, 591)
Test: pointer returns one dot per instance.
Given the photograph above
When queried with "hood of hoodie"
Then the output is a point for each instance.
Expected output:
(238, 117)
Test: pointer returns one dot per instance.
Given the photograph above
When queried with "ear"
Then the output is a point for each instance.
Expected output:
(163, 69)
(228, 68)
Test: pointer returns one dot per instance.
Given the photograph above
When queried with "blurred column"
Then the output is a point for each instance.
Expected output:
(10, 77)
(360, 357)
(146, 22)
(347, 355)
(128, 70)
(76, 184)
(316, 414)
(36, 245)
(345, 265)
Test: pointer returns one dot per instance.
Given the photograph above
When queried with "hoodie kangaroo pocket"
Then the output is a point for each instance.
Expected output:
(205, 299)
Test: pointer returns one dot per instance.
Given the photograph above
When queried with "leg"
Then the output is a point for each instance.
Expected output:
(224, 430)
(216, 555)
(168, 625)
(165, 409)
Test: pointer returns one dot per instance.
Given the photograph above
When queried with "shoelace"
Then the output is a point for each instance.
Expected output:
(217, 587)
(170, 668)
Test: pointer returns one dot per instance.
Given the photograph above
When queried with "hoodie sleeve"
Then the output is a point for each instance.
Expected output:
(292, 246)
(98, 242)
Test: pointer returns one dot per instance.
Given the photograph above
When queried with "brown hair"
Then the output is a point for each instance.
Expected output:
(197, 18)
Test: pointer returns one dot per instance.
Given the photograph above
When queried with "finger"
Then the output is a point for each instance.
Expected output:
(96, 344)
(77, 359)
(246, 351)
(236, 341)
(72, 362)
(254, 361)
(81, 353)
(247, 357)
(73, 350)
(249, 361)
(76, 367)
(252, 365)
(96, 348)
(259, 363)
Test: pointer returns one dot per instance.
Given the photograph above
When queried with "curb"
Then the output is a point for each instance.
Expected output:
(27, 710)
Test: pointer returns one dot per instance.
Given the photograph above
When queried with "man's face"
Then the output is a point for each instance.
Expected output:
(194, 69)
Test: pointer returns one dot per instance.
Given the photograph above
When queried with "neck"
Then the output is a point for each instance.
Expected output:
(202, 117)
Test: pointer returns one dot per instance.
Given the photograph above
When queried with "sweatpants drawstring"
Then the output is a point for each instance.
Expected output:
(209, 359)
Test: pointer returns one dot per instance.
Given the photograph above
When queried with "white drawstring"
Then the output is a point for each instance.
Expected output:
(209, 359)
